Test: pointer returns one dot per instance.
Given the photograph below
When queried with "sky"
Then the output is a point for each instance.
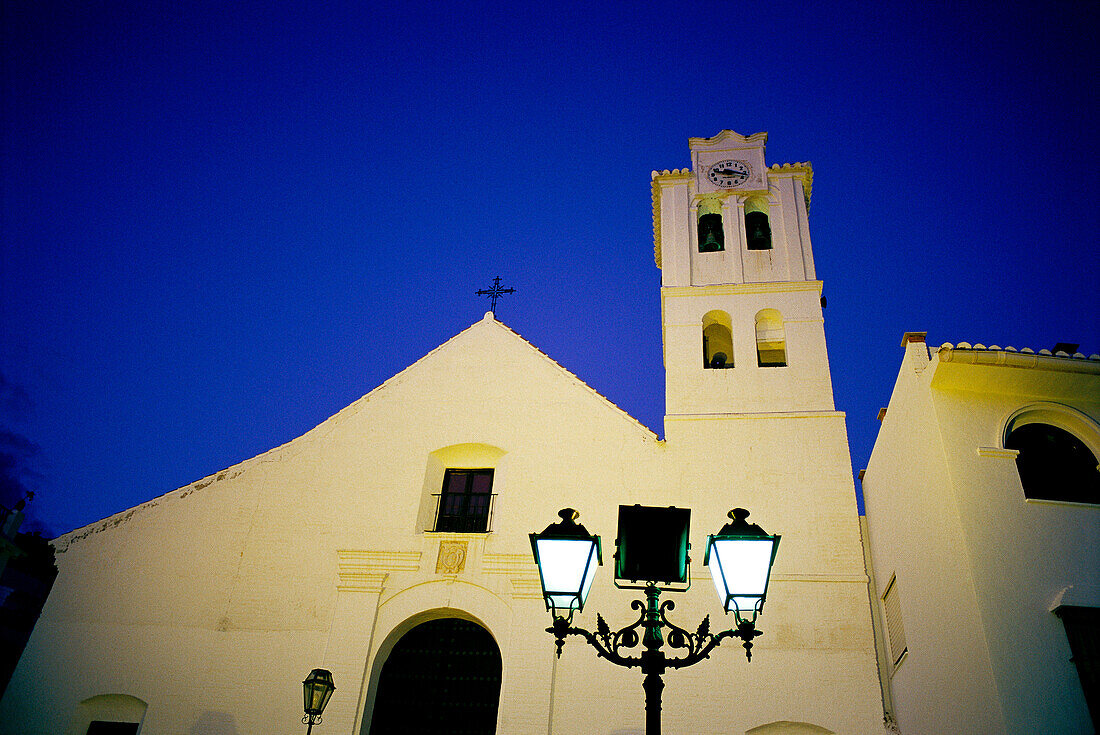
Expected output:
(222, 223)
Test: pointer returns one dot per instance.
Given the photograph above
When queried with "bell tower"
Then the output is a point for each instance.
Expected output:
(740, 303)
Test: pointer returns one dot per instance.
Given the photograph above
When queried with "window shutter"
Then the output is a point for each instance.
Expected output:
(894, 628)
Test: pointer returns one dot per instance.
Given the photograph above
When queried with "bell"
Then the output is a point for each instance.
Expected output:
(710, 233)
(758, 231)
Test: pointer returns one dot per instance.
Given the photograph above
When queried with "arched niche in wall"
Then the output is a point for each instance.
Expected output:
(109, 714)
(461, 482)
(717, 340)
(438, 668)
(1058, 451)
(771, 339)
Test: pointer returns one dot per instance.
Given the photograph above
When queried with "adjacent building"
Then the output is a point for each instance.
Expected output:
(983, 516)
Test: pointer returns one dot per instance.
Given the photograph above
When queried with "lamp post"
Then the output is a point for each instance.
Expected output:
(317, 688)
(740, 557)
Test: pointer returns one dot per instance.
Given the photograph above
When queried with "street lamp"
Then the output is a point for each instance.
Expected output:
(740, 557)
(567, 557)
(317, 688)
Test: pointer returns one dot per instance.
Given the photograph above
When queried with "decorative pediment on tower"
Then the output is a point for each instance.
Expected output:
(729, 162)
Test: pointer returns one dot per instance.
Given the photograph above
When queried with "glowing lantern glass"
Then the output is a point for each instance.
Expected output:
(740, 558)
(567, 557)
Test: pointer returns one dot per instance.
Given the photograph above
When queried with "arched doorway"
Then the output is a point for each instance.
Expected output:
(441, 678)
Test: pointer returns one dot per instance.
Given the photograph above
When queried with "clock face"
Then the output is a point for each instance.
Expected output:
(728, 174)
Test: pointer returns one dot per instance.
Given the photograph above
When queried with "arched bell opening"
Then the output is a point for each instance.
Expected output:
(717, 340)
(711, 236)
(758, 230)
(771, 339)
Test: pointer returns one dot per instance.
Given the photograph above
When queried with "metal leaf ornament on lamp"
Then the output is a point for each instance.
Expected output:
(567, 557)
(740, 558)
(317, 688)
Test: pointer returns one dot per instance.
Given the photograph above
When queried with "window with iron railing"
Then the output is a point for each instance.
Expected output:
(465, 504)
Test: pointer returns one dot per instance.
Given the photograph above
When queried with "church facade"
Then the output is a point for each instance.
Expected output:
(389, 545)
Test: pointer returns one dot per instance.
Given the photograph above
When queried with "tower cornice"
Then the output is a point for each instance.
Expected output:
(802, 171)
(732, 289)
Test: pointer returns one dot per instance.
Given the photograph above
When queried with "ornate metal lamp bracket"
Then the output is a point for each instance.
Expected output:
(606, 643)
(651, 620)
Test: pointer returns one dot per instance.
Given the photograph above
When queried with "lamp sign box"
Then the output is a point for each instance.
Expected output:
(652, 545)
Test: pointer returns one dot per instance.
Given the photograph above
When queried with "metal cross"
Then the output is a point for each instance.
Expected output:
(494, 293)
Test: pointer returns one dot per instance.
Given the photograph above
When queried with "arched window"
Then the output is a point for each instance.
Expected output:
(757, 228)
(110, 727)
(717, 340)
(709, 226)
(109, 714)
(771, 342)
(442, 676)
(1053, 463)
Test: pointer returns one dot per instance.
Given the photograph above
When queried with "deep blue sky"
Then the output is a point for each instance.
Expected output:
(223, 224)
